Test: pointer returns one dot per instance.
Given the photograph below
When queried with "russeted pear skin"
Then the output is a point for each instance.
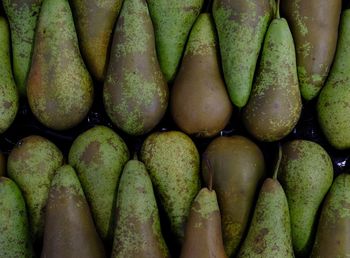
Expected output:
(203, 236)
(172, 21)
(332, 237)
(23, 17)
(32, 164)
(241, 26)
(135, 93)
(94, 21)
(15, 235)
(138, 233)
(69, 228)
(306, 174)
(172, 160)
(238, 168)
(2, 164)
(274, 106)
(199, 102)
(269, 234)
(59, 87)
(98, 156)
(333, 105)
(314, 25)
(8, 89)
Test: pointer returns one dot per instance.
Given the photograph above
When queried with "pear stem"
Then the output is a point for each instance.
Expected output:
(278, 16)
(135, 156)
(210, 171)
(277, 167)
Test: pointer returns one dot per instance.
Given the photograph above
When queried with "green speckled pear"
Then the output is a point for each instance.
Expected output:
(306, 174)
(15, 235)
(69, 228)
(332, 237)
(241, 26)
(98, 156)
(274, 106)
(23, 16)
(172, 21)
(32, 164)
(172, 160)
(135, 93)
(333, 105)
(199, 101)
(94, 21)
(137, 233)
(269, 234)
(8, 90)
(59, 87)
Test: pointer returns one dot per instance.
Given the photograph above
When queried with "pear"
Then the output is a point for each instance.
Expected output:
(8, 89)
(23, 16)
(199, 101)
(333, 107)
(172, 161)
(135, 92)
(332, 237)
(269, 234)
(59, 87)
(306, 174)
(238, 167)
(172, 20)
(274, 106)
(2, 164)
(315, 38)
(137, 233)
(69, 228)
(94, 21)
(241, 26)
(32, 164)
(98, 155)
(15, 235)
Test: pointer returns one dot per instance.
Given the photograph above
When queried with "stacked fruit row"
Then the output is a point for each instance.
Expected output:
(98, 197)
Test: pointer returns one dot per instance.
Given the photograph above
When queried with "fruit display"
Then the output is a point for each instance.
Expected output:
(174, 128)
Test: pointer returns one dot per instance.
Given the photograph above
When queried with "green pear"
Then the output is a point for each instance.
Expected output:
(269, 234)
(137, 233)
(332, 237)
(69, 228)
(15, 235)
(238, 167)
(333, 105)
(306, 174)
(98, 156)
(23, 16)
(135, 92)
(274, 106)
(199, 101)
(8, 90)
(172, 21)
(32, 164)
(172, 161)
(59, 87)
(241, 26)
(94, 21)
(314, 25)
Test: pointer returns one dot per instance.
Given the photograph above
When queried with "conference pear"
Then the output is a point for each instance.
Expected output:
(94, 21)
(199, 101)
(135, 92)
(172, 20)
(274, 106)
(238, 167)
(8, 90)
(69, 228)
(59, 88)
(241, 26)
(23, 17)
(314, 25)
(333, 105)
(172, 160)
